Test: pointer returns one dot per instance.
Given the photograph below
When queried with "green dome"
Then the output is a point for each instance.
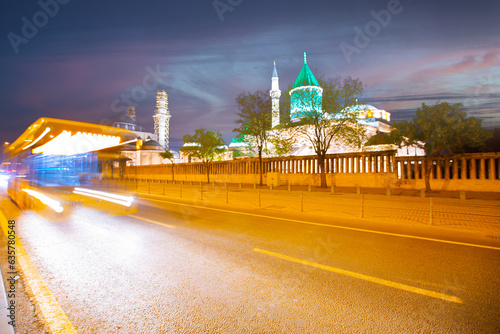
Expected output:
(306, 77)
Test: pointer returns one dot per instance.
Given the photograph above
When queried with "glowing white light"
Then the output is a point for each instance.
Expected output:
(113, 198)
(81, 142)
(53, 204)
(36, 140)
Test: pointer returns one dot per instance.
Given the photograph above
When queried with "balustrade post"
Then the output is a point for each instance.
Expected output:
(408, 169)
(492, 175)
(439, 171)
(464, 169)
(473, 173)
(482, 169)
(498, 167)
(455, 169)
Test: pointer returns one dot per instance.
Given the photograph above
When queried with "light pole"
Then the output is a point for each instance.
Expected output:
(4, 151)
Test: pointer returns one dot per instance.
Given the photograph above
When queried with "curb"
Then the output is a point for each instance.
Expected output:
(5, 328)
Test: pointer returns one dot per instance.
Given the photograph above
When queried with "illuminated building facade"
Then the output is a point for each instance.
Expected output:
(148, 154)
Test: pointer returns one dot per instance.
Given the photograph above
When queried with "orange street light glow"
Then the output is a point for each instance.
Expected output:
(36, 140)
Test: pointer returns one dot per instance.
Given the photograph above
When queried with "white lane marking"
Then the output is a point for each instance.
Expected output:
(153, 221)
(328, 225)
(363, 277)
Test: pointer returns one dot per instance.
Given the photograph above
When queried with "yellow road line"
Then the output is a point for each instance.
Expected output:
(329, 225)
(153, 221)
(54, 317)
(376, 280)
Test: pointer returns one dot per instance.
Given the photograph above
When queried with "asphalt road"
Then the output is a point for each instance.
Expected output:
(177, 268)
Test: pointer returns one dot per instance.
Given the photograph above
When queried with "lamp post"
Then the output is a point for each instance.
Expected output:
(3, 156)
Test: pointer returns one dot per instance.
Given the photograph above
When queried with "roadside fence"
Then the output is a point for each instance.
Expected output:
(353, 203)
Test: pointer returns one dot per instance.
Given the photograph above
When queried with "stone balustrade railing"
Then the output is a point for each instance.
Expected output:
(469, 166)
(369, 162)
(472, 172)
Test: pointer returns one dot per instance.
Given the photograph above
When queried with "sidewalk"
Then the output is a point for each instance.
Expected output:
(479, 212)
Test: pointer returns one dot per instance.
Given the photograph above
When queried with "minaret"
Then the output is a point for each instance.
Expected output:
(131, 112)
(275, 96)
(162, 119)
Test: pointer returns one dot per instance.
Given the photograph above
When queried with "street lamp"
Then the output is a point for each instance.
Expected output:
(3, 154)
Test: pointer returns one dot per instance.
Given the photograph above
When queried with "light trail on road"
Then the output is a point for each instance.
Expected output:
(176, 267)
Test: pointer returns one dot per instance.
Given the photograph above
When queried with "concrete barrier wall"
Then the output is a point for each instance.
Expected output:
(375, 180)
(453, 185)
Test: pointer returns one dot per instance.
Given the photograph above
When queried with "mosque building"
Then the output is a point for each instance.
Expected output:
(152, 143)
(128, 122)
(306, 97)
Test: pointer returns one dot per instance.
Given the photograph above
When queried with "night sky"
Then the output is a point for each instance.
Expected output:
(86, 60)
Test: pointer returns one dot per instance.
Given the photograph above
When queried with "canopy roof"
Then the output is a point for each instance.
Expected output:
(65, 137)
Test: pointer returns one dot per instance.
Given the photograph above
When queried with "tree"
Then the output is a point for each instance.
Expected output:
(204, 145)
(254, 122)
(380, 138)
(440, 129)
(336, 122)
(170, 156)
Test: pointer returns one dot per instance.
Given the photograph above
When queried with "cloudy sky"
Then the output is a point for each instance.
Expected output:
(87, 60)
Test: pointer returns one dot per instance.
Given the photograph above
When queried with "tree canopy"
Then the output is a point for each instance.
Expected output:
(255, 112)
(166, 155)
(204, 145)
(440, 129)
(336, 122)
(170, 156)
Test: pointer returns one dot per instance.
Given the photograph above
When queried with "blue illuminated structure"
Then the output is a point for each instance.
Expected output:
(306, 94)
(54, 152)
